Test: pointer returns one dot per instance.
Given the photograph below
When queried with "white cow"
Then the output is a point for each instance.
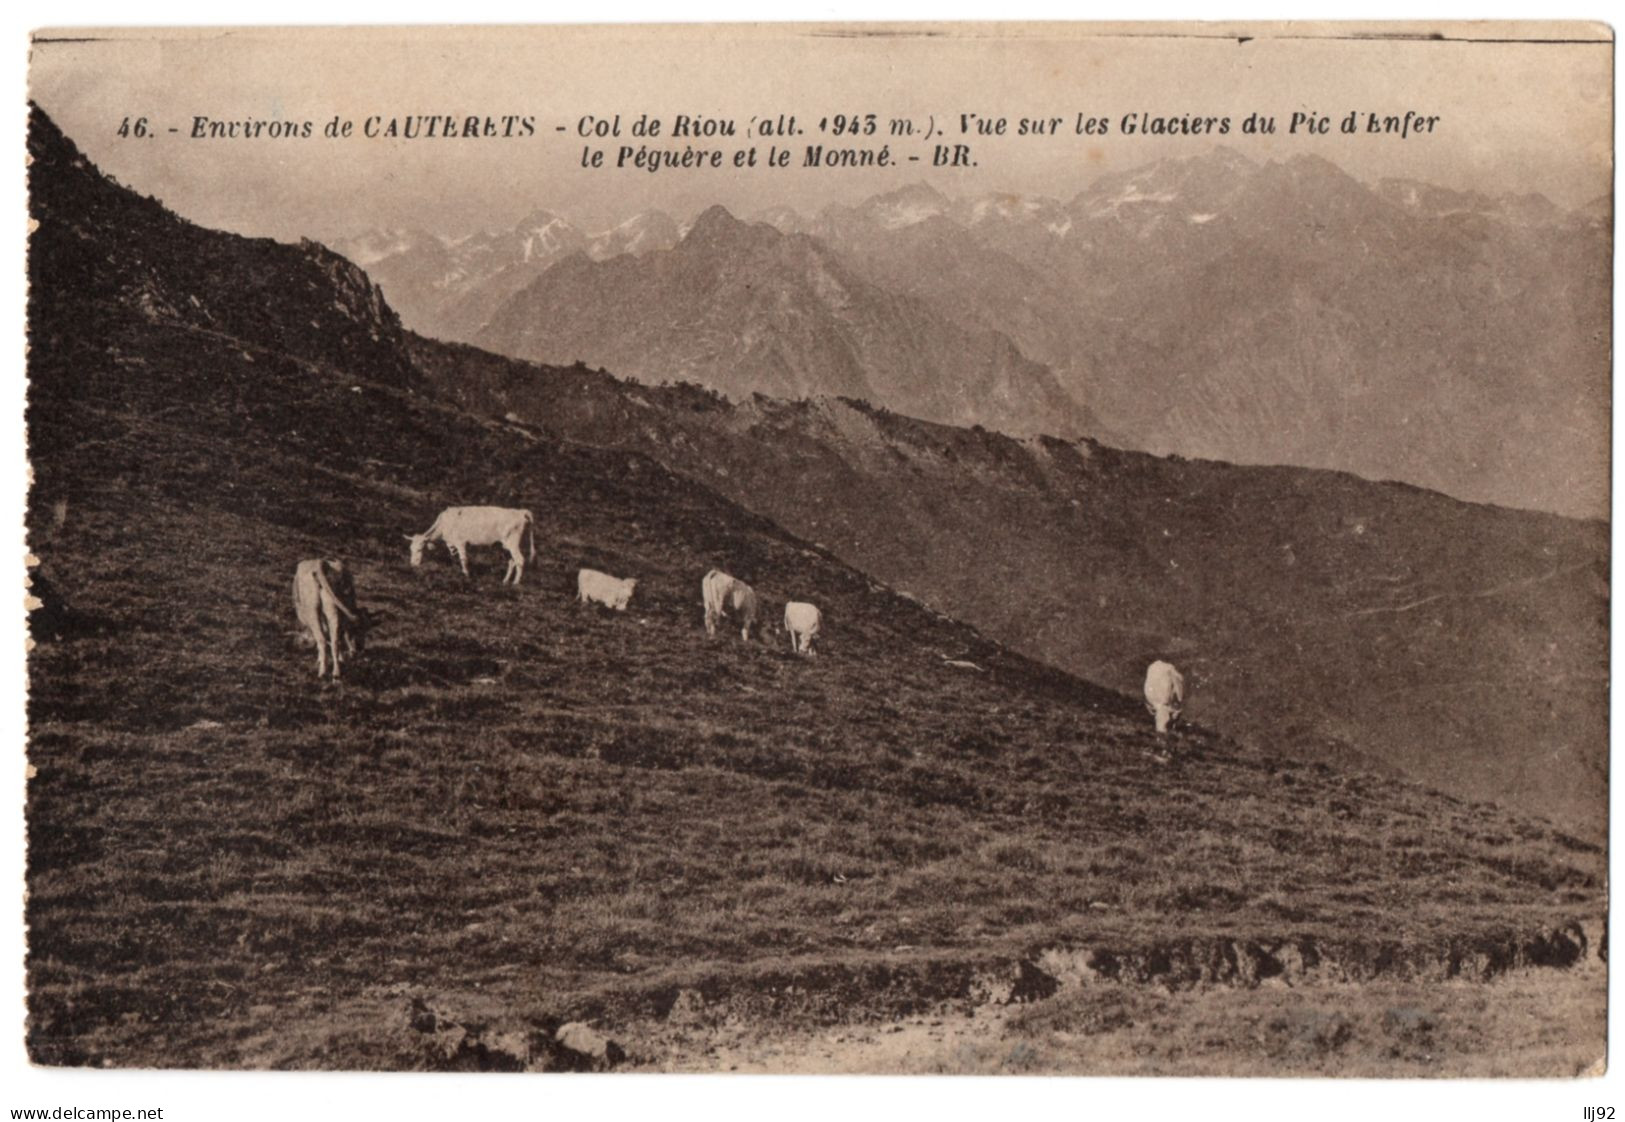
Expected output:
(593, 587)
(1164, 692)
(324, 600)
(728, 596)
(803, 622)
(462, 526)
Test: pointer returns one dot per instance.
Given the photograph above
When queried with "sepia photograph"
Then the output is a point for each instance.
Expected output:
(921, 549)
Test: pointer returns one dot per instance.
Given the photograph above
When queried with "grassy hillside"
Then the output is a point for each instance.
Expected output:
(1367, 624)
(529, 809)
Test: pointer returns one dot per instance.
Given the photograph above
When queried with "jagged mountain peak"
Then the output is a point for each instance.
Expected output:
(740, 307)
(645, 232)
(1005, 206)
(1212, 173)
(539, 219)
(908, 205)
(716, 229)
(715, 220)
(784, 219)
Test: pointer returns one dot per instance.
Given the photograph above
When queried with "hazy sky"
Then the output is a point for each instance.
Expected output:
(1513, 116)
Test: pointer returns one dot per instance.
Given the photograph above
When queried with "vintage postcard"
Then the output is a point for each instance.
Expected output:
(1023, 549)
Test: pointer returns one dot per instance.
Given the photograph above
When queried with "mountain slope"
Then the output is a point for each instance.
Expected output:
(1374, 624)
(515, 804)
(914, 242)
(743, 309)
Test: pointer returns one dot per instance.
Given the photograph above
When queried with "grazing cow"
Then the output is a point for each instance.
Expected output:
(1164, 692)
(462, 526)
(803, 622)
(728, 596)
(593, 587)
(324, 600)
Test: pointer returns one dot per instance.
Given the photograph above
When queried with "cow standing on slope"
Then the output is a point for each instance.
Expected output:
(324, 601)
(593, 587)
(1164, 693)
(803, 622)
(462, 526)
(728, 597)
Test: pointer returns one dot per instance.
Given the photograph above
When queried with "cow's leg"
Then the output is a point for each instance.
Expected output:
(462, 556)
(323, 646)
(516, 562)
(331, 611)
(710, 623)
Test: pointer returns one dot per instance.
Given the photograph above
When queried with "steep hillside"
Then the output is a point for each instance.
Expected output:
(108, 246)
(530, 811)
(743, 308)
(1375, 625)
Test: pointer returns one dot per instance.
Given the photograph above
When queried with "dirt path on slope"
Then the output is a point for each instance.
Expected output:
(1528, 1024)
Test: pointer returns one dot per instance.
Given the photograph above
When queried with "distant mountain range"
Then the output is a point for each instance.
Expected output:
(744, 309)
(539, 813)
(1213, 306)
(449, 287)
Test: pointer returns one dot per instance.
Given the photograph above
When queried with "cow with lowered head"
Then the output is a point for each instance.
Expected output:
(1164, 693)
(324, 601)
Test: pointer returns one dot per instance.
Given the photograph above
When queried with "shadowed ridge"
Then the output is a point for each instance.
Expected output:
(95, 243)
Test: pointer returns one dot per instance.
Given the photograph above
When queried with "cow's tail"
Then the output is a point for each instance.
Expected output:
(327, 590)
(530, 528)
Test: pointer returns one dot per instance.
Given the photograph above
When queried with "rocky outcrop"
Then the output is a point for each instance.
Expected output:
(440, 1039)
(101, 243)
